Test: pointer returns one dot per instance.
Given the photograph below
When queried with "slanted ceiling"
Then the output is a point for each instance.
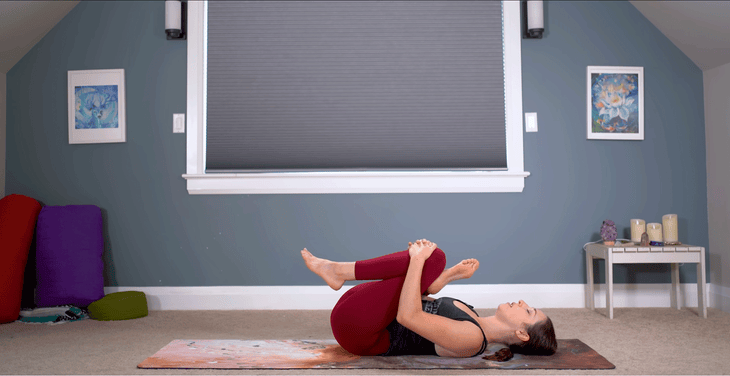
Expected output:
(25, 23)
(701, 29)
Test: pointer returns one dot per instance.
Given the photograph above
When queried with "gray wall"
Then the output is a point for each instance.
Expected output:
(158, 235)
(717, 92)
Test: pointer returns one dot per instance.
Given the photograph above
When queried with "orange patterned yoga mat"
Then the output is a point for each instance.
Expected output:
(327, 354)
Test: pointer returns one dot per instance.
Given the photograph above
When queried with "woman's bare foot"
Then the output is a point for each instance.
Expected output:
(323, 268)
(463, 270)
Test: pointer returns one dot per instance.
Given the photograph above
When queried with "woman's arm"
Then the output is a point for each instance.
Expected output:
(459, 338)
(409, 304)
(410, 297)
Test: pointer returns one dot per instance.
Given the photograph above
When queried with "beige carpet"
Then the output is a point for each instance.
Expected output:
(659, 341)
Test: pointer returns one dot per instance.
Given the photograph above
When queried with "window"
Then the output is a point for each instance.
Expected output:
(415, 180)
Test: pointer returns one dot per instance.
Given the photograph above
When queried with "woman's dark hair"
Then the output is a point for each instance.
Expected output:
(542, 342)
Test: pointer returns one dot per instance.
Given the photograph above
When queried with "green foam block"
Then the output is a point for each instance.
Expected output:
(122, 305)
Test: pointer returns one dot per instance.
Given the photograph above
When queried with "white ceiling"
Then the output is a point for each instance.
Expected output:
(701, 29)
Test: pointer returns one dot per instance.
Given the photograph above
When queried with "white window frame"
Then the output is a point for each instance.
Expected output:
(200, 182)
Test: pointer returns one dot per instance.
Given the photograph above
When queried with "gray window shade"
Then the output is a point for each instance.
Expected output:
(355, 85)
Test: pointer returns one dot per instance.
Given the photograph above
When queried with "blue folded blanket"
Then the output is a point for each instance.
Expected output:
(53, 315)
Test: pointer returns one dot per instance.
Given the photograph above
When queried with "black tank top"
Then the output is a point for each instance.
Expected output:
(404, 341)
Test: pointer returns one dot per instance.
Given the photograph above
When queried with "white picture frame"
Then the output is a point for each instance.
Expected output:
(96, 106)
(615, 103)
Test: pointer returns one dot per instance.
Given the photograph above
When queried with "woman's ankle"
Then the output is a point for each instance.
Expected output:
(437, 285)
(446, 277)
(345, 270)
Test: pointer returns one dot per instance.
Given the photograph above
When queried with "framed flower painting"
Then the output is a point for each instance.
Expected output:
(615, 103)
(96, 106)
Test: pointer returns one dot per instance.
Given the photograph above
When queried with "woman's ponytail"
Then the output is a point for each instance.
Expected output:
(542, 342)
(502, 355)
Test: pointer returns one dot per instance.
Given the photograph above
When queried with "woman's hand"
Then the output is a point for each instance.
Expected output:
(422, 249)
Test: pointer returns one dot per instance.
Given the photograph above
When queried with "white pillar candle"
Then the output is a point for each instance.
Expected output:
(654, 230)
(669, 225)
(638, 227)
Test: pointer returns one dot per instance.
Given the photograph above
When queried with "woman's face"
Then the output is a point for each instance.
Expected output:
(519, 315)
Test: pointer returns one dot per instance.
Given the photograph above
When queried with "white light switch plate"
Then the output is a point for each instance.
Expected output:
(530, 121)
(178, 123)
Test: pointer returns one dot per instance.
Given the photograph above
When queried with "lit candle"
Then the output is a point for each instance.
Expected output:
(638, 227)
(669, 224)
(654, 230)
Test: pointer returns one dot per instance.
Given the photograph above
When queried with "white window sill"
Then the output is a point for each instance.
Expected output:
(357, 182)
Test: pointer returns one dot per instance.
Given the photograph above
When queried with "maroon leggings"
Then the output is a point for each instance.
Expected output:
(361, 316)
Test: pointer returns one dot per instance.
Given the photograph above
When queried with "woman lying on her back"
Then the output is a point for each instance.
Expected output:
(391, 315)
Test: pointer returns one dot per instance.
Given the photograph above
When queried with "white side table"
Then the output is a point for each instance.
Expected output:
(634, 254)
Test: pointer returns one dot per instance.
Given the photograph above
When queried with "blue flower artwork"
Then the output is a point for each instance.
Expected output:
(97, 107)
(615, 103)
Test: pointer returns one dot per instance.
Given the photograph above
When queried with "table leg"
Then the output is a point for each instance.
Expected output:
(701, 285)
(589, 282)
(609, 285)
(675, 286)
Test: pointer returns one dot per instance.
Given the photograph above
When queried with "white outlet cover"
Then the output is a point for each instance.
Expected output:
(178, 123)
(530, 121)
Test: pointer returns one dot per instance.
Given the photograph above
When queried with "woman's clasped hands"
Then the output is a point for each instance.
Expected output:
(422, 249)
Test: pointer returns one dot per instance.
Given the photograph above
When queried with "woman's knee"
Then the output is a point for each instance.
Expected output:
(436, 262)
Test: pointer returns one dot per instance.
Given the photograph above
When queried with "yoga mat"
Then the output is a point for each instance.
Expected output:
(327, 354)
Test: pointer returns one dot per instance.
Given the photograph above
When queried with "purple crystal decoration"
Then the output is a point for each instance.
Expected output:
(608, 230)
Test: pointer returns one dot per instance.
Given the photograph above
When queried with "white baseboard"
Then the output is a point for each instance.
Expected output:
(719, 297)
(480, 296)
